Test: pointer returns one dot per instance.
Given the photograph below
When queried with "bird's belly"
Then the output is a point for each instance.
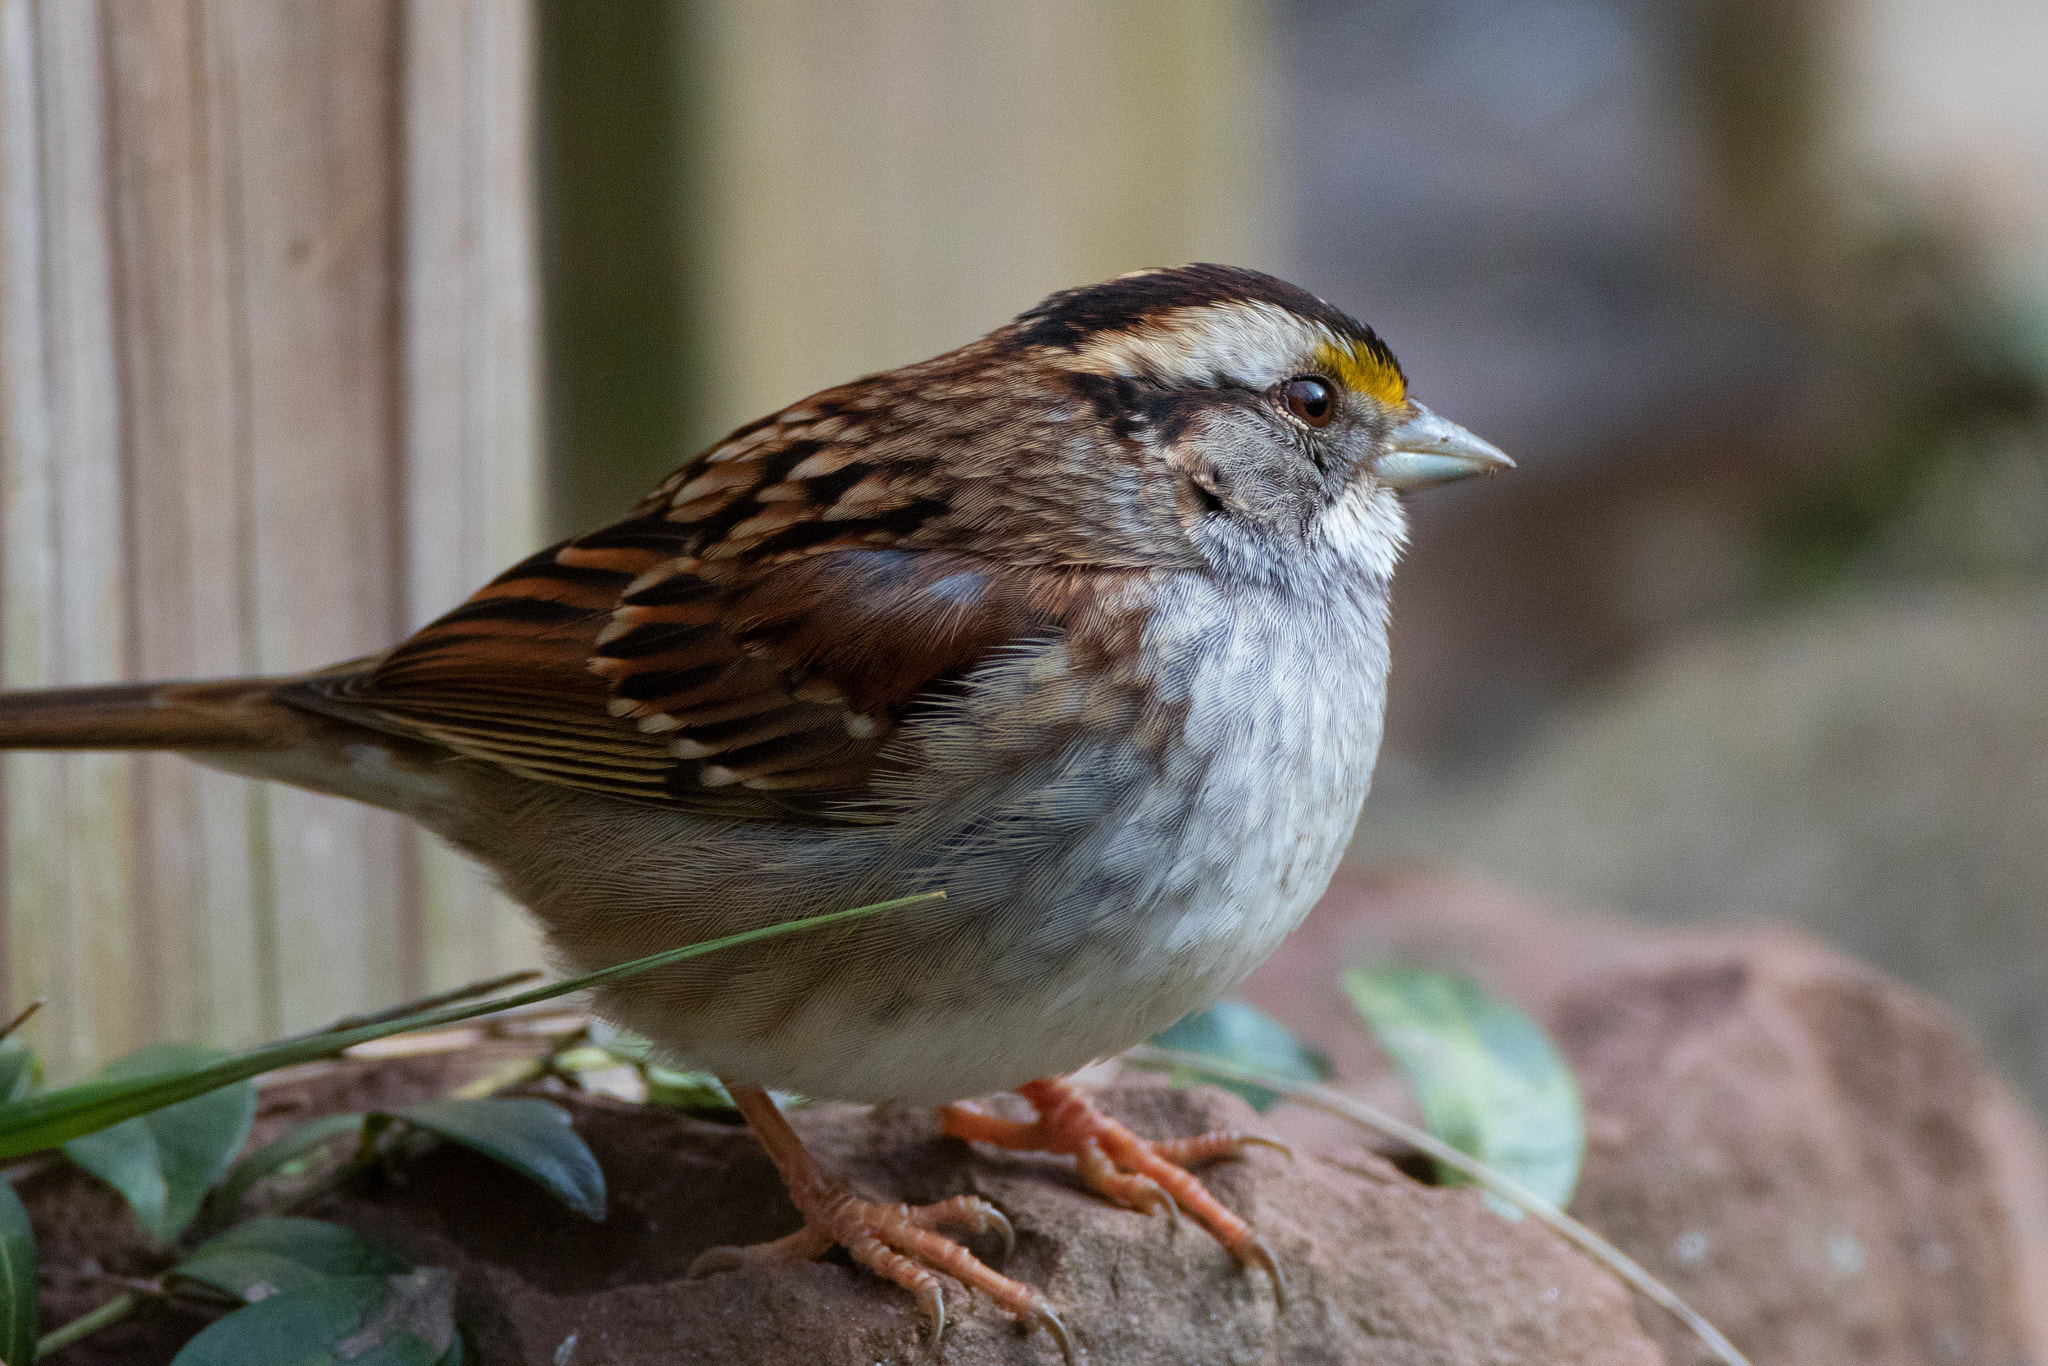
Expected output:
(1026, 969)
(1019, 1004)
(1038, 960)
(1084, 909)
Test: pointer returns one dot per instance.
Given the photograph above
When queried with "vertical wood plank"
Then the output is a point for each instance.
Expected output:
(312, 131)
(472, 383)
(267, 348)
(68, 888)
(203, 911)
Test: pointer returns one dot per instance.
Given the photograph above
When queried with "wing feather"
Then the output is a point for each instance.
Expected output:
(746, 644)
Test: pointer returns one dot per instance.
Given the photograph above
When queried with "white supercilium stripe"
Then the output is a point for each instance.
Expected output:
(1245, 342)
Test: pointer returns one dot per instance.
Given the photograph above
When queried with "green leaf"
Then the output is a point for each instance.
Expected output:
(1489, 1080)
(126, 1158)
(669, 1087)
(1238, 1033)
(163, 1163)
(294, 1143)
(55, 1117)
(18, 1069)
(404, 1320)
(17, 1280)
(531, 1136)
(690, 1090)
(273, 1255)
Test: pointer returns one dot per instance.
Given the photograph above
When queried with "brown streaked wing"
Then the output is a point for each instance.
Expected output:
(744, 645)
(791, 678)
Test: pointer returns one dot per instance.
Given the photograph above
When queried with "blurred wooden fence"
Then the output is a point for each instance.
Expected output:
(267, 399)
(892, 180)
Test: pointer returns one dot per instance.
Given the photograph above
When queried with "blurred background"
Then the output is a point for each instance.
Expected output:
(1756, 292)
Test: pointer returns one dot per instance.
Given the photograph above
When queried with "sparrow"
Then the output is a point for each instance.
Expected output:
(1083, 624)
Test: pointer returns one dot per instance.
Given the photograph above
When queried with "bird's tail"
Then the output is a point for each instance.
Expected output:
(225, 715)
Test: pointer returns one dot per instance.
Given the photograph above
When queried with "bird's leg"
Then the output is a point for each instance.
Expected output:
(1137, 1173)
(896, 1242)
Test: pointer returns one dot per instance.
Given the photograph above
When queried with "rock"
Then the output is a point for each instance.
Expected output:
(1813, 1155)
(1381, 1268)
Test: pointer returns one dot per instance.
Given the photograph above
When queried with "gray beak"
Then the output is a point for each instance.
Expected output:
(1426, 450)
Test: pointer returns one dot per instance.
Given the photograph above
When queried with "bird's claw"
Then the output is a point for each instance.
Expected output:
(931, 1298)
(1263, 1141)
(1050, 1322)
(1257, 1253)
(899, 1243)
(1136, 1173)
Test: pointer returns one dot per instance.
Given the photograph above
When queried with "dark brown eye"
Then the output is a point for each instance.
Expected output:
(1310, 399)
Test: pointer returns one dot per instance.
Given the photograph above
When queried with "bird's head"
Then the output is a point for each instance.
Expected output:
(1264, 413)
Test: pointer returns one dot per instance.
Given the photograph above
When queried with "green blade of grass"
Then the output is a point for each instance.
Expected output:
(1334, 1102)
(56, 1116)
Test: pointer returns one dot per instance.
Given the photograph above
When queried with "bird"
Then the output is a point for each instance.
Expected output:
(1082, 624)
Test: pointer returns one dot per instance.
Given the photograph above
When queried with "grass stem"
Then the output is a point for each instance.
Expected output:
(18, 1021)
(112, 1312)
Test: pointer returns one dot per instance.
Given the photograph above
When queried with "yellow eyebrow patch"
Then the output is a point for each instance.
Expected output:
(1366, 369)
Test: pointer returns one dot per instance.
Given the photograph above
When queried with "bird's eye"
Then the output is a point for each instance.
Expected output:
(1310, 399)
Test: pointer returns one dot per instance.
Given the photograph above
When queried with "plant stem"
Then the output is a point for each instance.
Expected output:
(53, 1117)
(112, 1312)
(486, 987)
(504, 1079)
(366, 1146)
(23, 1018)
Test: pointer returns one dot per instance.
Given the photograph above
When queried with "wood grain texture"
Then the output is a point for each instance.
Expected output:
(70, 892)
(472, 400)
(893, 180)
(311, 128)
(205, 912)
(268, 388)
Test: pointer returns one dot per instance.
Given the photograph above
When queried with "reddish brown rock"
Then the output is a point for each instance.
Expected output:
(1382, 1270)
(1812, 1154)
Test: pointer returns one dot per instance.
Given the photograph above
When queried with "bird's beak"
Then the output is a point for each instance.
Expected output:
(1426, 450)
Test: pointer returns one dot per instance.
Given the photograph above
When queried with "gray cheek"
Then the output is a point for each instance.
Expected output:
(1261, 475)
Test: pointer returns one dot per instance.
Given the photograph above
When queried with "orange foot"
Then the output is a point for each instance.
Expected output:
(896, 1242)
(1137, 1173)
